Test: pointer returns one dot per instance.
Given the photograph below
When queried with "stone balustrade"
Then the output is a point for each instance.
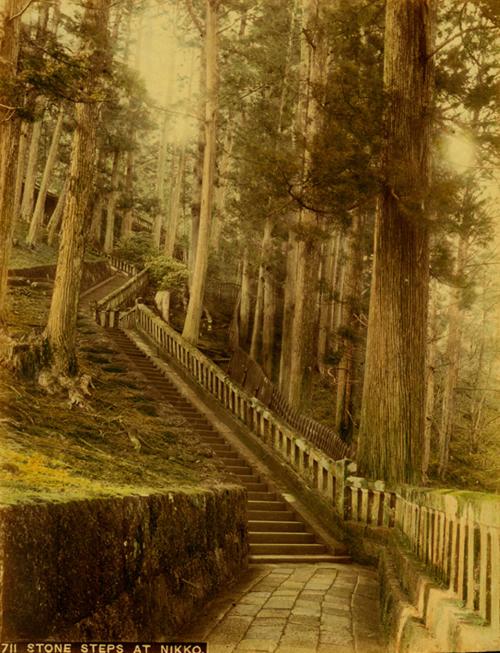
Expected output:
(454, 534)
(123, 266)
(108, 309)
(457, 536)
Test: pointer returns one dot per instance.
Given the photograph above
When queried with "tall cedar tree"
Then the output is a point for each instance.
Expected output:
(197, 287)
(61, 325)
(393, 405)
(9, 135)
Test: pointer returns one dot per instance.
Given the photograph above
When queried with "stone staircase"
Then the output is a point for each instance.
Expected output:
(276, 532)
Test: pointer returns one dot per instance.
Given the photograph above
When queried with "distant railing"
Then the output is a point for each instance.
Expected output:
(123, 266)
(108, 309)
(222, 292)
(248, 373)
(455, 535)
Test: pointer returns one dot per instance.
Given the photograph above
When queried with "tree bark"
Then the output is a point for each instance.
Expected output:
(222, 186)
(349, 330)
(61, 325)
(197, 175)
(21, 168)
(257, 327)
(95, 231)
(128, 214)
(160, 184)
(430, 385)
(453, 346)
(175, 203)
(327, 287)
(197, 290)
(313, 64)
(9, 138)
(56, 216)
(288, 311)
(163, 296)
(31, 169)
(38, 214)
(393, 406)
(268, 321)
(109, 236)
(245, 299)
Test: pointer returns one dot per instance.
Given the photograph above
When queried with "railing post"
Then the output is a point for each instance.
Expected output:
(343, 469)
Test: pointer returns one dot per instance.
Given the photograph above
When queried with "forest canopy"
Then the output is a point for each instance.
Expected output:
(312, 182)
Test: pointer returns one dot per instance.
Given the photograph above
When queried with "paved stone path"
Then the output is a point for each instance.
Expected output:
(321, 608)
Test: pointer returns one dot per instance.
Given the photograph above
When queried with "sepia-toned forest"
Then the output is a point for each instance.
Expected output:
(310, 183)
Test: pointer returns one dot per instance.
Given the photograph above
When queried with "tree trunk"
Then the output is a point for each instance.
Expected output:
(31, 169)
(257, 328)
(288, 311)
(393, 406)
(327, 287)
(163, 296)
(128, 214)
(430, 386)
(222, 186)
(21, 168)
(453, 346)
(255, 341)
(313, 65)
(245, 300)
(95, 232)
(9, 138)
(160, 184)
(268, 321)
(304, 317)
(197, 290)
(55, 218)
(39, 212)
(197, 176)
(175, 202)
(61, 325)
(109, 236)
(482, 377)
(349, 330)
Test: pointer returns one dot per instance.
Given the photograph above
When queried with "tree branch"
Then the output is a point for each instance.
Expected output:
(21, 11)
(196, 20)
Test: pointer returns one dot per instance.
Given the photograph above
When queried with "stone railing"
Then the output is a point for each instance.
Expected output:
(311, 463)
(245, 371)
(108, 309)
(123, 266)
(455, 535)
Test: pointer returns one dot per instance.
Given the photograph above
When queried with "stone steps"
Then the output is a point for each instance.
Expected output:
(276, 533)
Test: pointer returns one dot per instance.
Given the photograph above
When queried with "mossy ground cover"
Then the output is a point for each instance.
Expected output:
(124, 440)
(23, 256)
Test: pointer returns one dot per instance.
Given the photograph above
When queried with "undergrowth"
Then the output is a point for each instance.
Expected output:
(124, 441)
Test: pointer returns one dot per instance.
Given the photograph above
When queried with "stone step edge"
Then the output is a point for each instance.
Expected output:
(142, 344)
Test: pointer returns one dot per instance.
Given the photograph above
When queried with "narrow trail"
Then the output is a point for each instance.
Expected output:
(301, 593)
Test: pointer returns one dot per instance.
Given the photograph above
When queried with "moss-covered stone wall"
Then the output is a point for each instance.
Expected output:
(136, 568)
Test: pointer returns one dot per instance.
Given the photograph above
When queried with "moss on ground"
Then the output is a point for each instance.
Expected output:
(124, 441)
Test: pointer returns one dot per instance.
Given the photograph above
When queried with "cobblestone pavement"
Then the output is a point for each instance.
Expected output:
(320, 608)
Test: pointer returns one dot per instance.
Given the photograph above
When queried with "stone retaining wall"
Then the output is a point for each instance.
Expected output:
(136, 568)
(93, 272)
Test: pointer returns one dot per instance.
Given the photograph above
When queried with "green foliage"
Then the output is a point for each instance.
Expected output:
(168, 273)
(136, 250)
